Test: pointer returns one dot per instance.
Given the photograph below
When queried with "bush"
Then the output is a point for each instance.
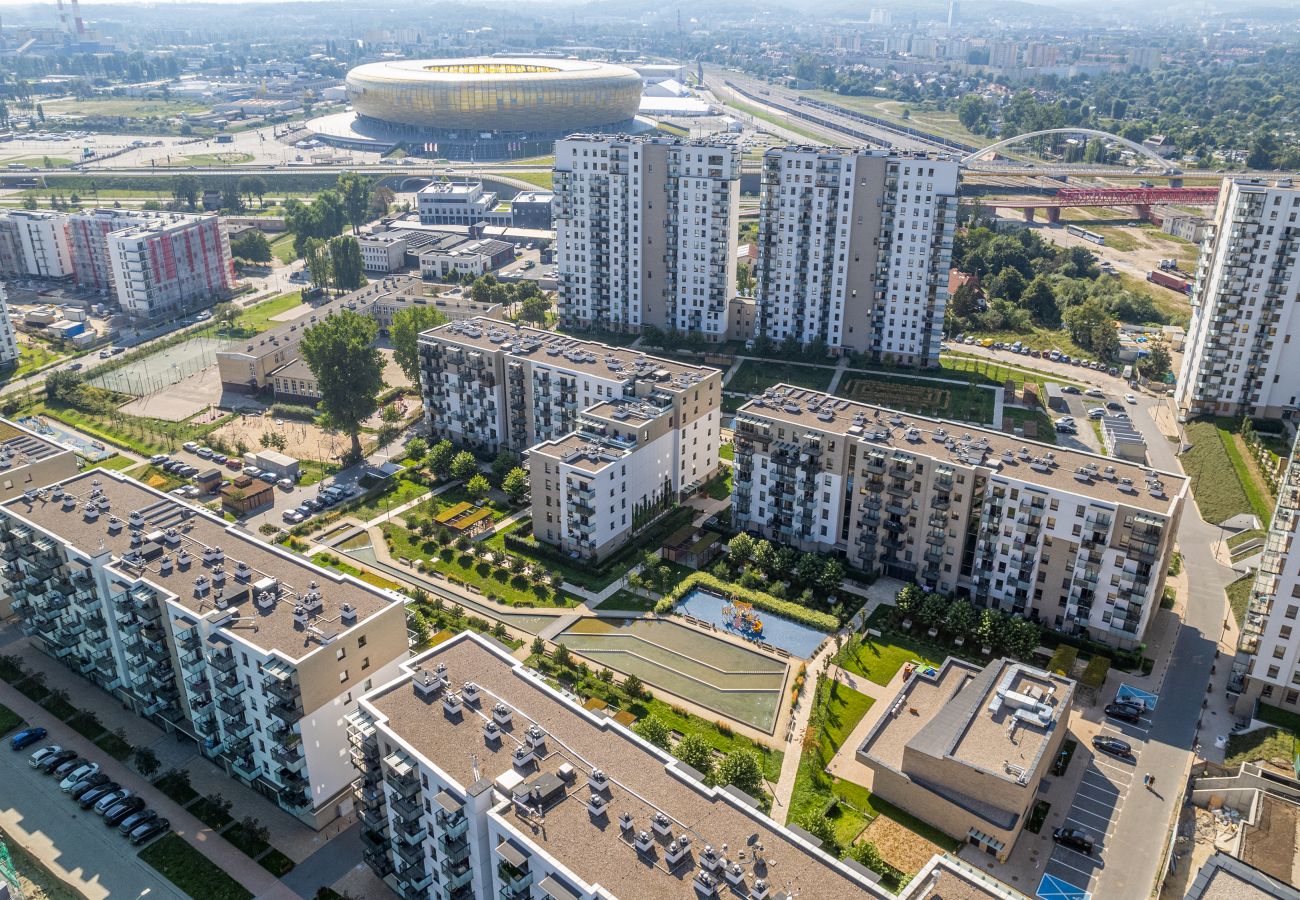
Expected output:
(1062, 661)
(766, 602)
(293, 411)
(1094, 675)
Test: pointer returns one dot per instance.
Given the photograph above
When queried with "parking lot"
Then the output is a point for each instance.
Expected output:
(1103, 791)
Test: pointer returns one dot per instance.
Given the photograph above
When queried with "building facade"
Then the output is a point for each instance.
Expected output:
(1267, 665)
(477, 780)
(248, 650)
(1240, 357)
(9, 353)
(854, 249)
(645, 232)
(154, 264)
(1080, 543)
(382, 252)
(34, 244)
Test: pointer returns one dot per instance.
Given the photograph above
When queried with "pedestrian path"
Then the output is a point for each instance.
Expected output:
(840, 368)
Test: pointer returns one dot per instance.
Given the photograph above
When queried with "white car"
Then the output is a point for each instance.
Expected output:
(286, 483)
(1097, 412)
(35, 759)
(110, 798)
(292, 516)
(1094, 392)
(1129, 398)
(204, 453)
(1065, 420)
(158, 458)
(76, 775)
(190, 446)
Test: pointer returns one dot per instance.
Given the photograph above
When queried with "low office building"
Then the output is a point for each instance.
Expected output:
(460, 203)
(1078, 542)
(965, 748)
(384, 252)
(249, 650)
(477, 779)
(465, 258)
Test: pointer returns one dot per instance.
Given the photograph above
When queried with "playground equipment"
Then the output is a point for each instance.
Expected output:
(740, 617)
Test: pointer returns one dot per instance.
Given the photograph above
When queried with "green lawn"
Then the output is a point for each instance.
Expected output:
(1045, 431)
(330, 561)
(32, 355)
(117, 462)
(191, 871)
(626, 601)
(1212, 456)
(720, 487)
(257, 319)
(401, 490)
(55, 162)
(9, 720)
(879, 659)
(948, 400)
(229, 158)
(1266, 743)
(1239, 597)
(755, 376)
(541, 179)
(282, 248)
(935, 121)
(130, 108)
(723, 741)
(788, 123)
(727, 451)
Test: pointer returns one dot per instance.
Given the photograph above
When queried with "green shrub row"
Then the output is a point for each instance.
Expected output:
(812, 618)
(294, 411)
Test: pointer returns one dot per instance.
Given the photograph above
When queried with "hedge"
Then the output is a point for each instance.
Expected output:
(812, 618)
(1124, 660)
(1094, 676)
(294, 411)
(1062, 661)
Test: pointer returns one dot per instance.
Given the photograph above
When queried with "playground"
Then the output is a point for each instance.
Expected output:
(90, 449)
(741, 619)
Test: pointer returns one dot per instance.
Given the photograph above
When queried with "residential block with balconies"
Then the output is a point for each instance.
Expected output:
(854, 248)
(248, 650)
(1239, 358)
(1077, 542)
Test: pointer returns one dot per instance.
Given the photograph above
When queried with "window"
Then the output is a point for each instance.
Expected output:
(341, 653)
(361, 642)
(343, 676)
(365, 663)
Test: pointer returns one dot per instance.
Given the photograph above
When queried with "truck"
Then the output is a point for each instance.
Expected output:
(1164, 279)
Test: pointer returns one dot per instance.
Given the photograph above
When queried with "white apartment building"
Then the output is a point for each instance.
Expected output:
(614, 437)
(459, 203)
(9, 354)
(854, 248)
(1240, 358)
(34, 244)
(1079, 542)
(645, 232)
(1267, 665)
(247, 649)
(383, 252)
(478, 780)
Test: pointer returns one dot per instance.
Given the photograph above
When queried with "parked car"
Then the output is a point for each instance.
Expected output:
(158, 459)
(54, 760)
(1097, 412)
(80, 772)
(190, 446)
(1129, 398)
(85, 785)
(121, 809)
(1111, 745)
(220, 458)
(203, 453)
(1074, 838)
(1128, 712)
(97, 793)
(252, 471)
(1066, 428)
(107, 800)
(42, 754)
(64, 769)
(1070, 389)
(25, 738)
(292, 516)
(149, 830)
(1094, 392)
(135, 820)
(234, 463)
(285, 484)
(1115, 405)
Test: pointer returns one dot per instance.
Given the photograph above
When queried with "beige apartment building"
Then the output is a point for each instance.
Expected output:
(1079, 542)
(965, 748)
(246, 649)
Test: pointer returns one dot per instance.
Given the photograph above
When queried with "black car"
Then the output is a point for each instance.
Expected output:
(121, 809)
(1070, 389)
(150, 830)
(85, 784)
(1115, 405)
(1074, 838)
(95, 794)
(1129, 712)
(1113, 746)
(54, 760)
(135, 820)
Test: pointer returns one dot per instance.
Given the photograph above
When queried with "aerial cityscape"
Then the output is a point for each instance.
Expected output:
(849, 451)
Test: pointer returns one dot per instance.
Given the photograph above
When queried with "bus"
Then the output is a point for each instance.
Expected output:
(1085, 234)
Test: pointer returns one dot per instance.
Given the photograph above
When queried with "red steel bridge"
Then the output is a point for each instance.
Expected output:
(1140, 198)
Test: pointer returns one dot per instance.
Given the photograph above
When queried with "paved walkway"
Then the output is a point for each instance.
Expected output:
(840, 368)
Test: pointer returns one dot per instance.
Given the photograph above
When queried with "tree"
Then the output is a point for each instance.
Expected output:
(504, 462)
(990, 630)
(696, 753)
(562, 657)
(740, 769)
(1007, 284)
(349, 370)
(416, 448)
(764, 555)
(405, 334)
(1157, 363)
(821, 828)
(830, 576)
(225, 314)
(186, 189)
(744, 279)
(381, 201)
(478, 486)
(909, 598)
(1040, 300)
(252, 245)
(317, 256)
(534, 309)
(741, 547)
(961, 618)
(230, 199)
(538, 647)
(354, 192)
(388, 432)
(653, 730)
(253, 186)
(463, 466)
(516, 485)
(633, 687)
(1022, 637)
(345, 260)
(440, 456)
(932, 610)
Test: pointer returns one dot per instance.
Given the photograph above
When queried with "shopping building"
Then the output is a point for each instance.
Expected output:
(247, 649)
(645, 232)
(1267, 665)
(478, 780)
(854, 248)
(614, 437)
(965, 748)
(1240, 357)
(155, 265)
(34, 244)
(1081, 543)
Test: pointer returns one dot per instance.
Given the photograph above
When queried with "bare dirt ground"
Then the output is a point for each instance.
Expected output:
(1270, 844)
(304, 440)
(901, 847)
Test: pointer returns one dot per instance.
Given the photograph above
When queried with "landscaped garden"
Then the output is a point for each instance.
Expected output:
(947, 400)
(1270, 745)
(1224, 482)
(191, 871)
(755, 376)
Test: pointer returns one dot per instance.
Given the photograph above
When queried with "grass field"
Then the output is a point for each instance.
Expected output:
(228, 158)
(878, 660)
(940, 122)
(55, 162)
(1239, 597)
(1213, 454)
(754, 376)
(789, 123)
(1266, 743)
(191, 871)
(949, 400)
(541, 179)
(130, 108)
(282, 248)
(257, 319)
(32, 355)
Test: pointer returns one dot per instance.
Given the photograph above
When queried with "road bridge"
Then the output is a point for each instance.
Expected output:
(1141, 199)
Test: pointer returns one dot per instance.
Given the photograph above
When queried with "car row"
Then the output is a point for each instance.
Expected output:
(83, 781)
(328, 497)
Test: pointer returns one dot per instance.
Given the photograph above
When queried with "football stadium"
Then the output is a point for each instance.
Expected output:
(483, 108)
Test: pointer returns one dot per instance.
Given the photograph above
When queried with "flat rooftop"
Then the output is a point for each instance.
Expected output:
(196, 530)
(590, 454)
(917, 704)
(640, 784)
(1224, 877)
(1030, 700)
(20, 446)
(1102, 477)
(626, 412)
(569, 353)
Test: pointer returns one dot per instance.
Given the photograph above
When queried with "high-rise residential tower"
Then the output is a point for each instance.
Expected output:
(644, 230)
(1241, 354)
(854, 250)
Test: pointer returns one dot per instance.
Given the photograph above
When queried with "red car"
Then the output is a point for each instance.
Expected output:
(234, 463)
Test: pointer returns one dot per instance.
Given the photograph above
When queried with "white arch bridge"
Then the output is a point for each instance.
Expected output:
(970, 161)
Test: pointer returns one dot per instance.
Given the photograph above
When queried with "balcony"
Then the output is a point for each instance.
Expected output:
(245, 767)
(452, 826)
(288, 713)
(223, 662)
